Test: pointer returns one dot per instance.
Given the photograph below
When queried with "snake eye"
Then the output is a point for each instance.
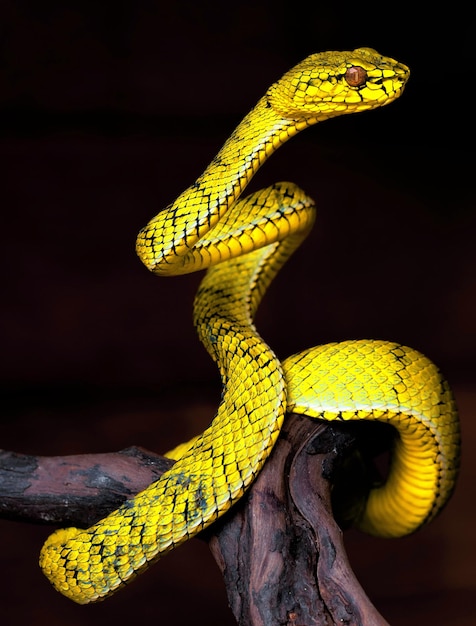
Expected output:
(355, 76)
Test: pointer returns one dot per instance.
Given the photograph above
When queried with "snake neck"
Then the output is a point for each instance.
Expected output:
(255, 139)
(165, 244)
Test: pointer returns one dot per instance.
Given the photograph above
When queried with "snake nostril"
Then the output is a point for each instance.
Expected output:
(355, 76)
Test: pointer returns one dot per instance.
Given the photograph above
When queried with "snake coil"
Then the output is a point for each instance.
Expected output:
(244, 241)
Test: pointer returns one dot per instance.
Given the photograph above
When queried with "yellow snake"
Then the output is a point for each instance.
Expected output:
(244, 242)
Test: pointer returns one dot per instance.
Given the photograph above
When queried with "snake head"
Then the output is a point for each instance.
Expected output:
(327, 84)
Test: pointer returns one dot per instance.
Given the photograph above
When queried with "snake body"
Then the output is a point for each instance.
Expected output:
(244, 241)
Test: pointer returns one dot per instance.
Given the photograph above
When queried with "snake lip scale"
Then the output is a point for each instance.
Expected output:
(242, 242)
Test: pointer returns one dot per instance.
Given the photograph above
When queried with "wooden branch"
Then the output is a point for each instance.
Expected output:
(280, 549)
(74, 490)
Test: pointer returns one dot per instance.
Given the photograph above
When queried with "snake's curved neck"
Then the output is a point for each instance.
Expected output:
(255, 139)
(201, 205)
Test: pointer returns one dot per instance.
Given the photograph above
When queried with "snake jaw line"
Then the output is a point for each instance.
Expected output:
(244, 241)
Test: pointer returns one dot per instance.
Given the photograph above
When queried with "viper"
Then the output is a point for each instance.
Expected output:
(243, 241)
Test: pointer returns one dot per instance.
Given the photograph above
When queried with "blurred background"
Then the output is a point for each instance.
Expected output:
(106, 114)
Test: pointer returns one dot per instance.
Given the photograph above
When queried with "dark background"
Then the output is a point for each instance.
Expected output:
(106, 114)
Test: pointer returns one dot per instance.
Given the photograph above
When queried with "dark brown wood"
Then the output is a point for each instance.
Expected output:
(74, 490)
(280, 549)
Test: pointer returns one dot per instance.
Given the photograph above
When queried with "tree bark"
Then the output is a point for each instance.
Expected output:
(280, 549)
(74, 490)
